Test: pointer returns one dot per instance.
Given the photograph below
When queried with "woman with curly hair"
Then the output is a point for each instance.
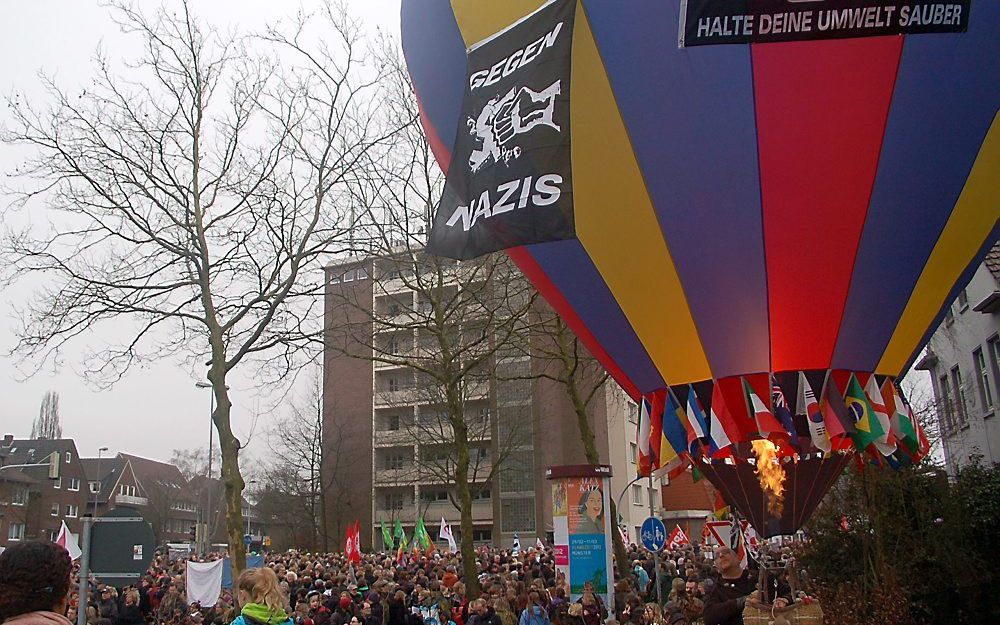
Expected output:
(34, 584)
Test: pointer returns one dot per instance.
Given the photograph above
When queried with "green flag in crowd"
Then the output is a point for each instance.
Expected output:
(386, 536)
(400, 535)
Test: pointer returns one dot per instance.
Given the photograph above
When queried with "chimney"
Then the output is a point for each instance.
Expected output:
(8, 440)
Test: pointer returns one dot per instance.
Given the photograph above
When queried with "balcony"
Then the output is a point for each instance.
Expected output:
(402, 436)
(407, 474)
(129, 500)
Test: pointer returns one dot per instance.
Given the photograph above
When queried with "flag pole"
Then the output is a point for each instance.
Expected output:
(656, 553)
(81, 614)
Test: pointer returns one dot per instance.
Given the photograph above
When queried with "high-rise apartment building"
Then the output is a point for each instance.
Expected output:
(388, 451)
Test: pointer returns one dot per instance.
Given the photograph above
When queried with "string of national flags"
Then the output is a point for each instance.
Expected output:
(715, 419)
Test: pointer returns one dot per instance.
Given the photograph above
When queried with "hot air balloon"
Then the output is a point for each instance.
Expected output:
(782, 217)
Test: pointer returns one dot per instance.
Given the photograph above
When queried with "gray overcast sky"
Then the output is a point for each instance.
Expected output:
(156, 408)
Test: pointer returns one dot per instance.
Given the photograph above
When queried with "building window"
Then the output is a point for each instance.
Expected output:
(394, 345)
(948, 420)
(633, 412)
(69, 457)
(393, 384)
(983, 377)
(963, 301)
(637, 494)
(57, 484)
(334, 279)
(53, 536)
(633, 450)
(395, 462)
(430, 496)
(15, 531)
(993, 346)
(72, 511)
(74, 484)
(362, 273)
(949, 316)
(19, 497)
(517, 515)
(95, 487)
(394, 501)
(482, 536)
(54, 511)
(128, 490)
(349, 276)
(956, 382)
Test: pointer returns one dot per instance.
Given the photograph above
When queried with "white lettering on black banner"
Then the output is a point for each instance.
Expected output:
(510, 178)
(707, 22)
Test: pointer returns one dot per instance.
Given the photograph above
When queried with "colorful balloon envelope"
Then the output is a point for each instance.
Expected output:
(748, 218)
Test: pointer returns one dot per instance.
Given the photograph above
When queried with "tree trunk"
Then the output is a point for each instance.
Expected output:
(467, 548)
(231, 477)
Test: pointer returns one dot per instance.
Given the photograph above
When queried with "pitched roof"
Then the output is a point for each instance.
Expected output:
(992, 261)
(37, 450)
(150, 472)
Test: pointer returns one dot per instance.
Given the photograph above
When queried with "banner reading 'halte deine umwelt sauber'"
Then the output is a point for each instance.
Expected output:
(510, 176)
(706, 22)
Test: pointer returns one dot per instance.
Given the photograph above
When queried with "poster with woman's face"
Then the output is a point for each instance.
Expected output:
(588, 549)
(585, 503)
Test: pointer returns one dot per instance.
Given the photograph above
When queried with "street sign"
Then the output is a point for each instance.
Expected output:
(653, 534)
(247, 539)
(121, 546)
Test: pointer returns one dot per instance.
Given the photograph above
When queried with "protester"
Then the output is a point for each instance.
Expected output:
(724, 606)
(260, 599)
(34, 584)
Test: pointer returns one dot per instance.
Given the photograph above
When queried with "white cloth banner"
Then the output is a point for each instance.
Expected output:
(204, 582)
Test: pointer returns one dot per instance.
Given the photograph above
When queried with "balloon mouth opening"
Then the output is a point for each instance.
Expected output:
(770, 475)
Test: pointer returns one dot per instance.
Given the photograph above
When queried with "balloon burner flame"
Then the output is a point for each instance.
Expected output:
(770, 475)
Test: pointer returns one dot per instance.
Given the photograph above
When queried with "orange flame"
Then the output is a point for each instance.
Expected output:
(770, 475)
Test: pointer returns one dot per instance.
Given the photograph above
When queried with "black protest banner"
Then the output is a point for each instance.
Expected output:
(510, 178)
(707, 22)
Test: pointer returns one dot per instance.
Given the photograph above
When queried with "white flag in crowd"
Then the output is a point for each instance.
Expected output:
(445, 534)
(67, 541)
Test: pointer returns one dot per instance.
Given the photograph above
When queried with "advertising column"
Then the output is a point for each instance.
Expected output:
(582, 529)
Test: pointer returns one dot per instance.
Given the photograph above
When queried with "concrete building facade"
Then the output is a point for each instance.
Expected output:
(383, 433)
(963, 359)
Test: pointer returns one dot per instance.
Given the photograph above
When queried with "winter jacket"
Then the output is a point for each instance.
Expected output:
(534, 615)
(38, 618)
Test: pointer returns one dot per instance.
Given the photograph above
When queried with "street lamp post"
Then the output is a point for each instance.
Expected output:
(97, 492)
(208, 482)
(248, 507)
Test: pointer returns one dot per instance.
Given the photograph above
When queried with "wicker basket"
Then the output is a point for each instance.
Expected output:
(798, 613)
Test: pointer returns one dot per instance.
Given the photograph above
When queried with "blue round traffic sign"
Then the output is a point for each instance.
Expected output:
(247, 539)
(653, 534)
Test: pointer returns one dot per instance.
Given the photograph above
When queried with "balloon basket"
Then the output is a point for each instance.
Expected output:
(798, 613)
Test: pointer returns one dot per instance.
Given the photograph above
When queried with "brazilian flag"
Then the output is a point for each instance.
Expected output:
(868, 429)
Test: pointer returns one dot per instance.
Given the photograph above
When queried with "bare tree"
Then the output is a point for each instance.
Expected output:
(303, 470)
(197, 192)
(47, 424)
(566, 362)
(434, 324)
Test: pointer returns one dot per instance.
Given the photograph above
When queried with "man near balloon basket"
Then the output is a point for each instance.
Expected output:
(736, 587)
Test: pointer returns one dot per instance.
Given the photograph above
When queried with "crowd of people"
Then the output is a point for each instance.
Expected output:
(296, 588)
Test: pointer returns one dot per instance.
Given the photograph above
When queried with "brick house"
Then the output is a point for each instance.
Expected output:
(687, 503)
(157, 490)
(33, 504)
